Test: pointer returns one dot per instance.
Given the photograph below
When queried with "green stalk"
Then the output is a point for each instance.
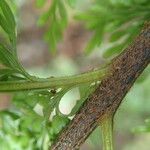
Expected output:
(107, 133)
(89, 77)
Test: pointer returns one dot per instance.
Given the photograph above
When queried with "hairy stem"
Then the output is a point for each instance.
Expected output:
(52, 82)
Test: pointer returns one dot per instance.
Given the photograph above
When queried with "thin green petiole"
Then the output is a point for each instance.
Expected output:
(107, 133)
(89, 77)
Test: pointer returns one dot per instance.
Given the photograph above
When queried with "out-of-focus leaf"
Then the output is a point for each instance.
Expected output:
(94, 41)
(43, 18)
(63, 15)
(40, 3)
(26, 100)
(7, 22)
(9, 74)
(8, 14)
(113, 50)
(7, 71)
(4, 25)
(141, 129)
(10, 113)
(109, 15)
(144, 128)
(58, 123)
(51, 37)
(117, 35)
(7, 58)
(56, 19)
(72, 3)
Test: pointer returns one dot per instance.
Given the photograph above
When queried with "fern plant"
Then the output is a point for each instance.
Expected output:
(21, 122)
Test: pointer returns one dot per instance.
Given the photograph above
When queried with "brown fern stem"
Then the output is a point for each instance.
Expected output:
(123, 72)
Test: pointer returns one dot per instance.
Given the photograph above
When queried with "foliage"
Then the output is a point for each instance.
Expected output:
(119, 19)
(23, 123)
(56, 19)
(143, 128)
(12, 69)
(34, 120)
(28, 129)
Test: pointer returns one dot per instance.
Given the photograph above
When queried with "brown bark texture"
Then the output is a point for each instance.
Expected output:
(122, 73)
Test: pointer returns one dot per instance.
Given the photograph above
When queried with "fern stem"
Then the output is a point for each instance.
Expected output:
(107, 133)
(57, 82)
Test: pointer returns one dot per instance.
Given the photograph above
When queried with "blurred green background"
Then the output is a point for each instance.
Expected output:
(69, 59)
